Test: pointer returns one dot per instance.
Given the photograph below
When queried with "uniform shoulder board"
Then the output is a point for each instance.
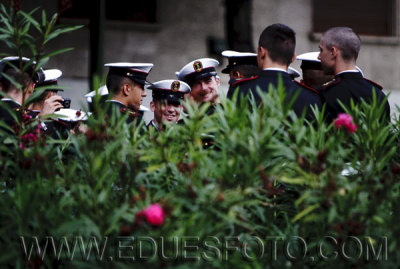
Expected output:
(374, 83)
(329, 84)
(307, 87)
(243, 80)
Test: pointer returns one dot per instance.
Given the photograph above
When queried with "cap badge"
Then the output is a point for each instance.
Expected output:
(197, 66)
(175, 86)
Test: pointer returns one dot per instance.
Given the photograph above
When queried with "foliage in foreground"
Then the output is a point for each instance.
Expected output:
(270, 182)
(271, 191)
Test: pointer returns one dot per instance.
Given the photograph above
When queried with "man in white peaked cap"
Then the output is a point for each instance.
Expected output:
(167, 102)
(313, 75)
(125, 82)
(201, 76)
(49, 101)
(17, 93)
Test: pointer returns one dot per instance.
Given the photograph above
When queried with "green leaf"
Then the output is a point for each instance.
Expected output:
(42, 62)
(60, 51)
(44, 18)
(58, 32)
(304, 212)
(31, 20)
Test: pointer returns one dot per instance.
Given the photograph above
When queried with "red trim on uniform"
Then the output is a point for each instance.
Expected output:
(243, 79)
(333, 82)
(307, 87)
(376, 84)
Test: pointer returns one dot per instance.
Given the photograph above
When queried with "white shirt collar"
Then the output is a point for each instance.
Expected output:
(349, 71)
(8, 99)
(275, 69)
(154, 124)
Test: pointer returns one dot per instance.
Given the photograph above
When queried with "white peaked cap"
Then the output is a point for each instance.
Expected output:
(293, 72)
(52, 74)
(197, 69)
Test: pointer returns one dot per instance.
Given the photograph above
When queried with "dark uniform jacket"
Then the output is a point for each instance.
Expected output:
(5, 115)
(152, 124)
(6, 105)
(307, 96)
(347, 86)
(117, 109)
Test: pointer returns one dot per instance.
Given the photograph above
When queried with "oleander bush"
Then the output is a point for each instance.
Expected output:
(244, 187)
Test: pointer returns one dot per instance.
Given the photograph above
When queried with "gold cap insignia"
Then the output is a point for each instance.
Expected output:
(175, 86)
(197, 66)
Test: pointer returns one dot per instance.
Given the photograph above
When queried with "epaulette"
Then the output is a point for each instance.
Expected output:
(374, 83)
(243, 80)
(125, 110)
(307, 87)
(329, 84)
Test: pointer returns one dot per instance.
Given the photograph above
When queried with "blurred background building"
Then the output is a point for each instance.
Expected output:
(170, 33)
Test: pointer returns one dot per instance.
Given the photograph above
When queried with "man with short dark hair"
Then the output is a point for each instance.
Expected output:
(275, 53)
(167, 102)
(339, 48)
(49, 101)
(126, 81)
(19, 93)
(241, 65)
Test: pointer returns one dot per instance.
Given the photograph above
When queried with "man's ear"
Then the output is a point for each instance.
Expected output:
(126, 88)
(293, 57)
(152, 106)
(30, 88)
(334, 51)
(261, 52)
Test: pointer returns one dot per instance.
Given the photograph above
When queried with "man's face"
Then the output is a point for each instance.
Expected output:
(205, 89)
(327, 59)
(166, 112)
(136, 95)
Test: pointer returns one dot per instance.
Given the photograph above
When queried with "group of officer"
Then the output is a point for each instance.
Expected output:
(17, 86)
(330, 78)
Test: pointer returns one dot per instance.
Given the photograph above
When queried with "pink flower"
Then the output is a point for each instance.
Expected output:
(30, 137)
(345, 120)
(153, 214)
(26, 117)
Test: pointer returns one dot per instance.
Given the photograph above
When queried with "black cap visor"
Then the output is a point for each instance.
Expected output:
(167, 95)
